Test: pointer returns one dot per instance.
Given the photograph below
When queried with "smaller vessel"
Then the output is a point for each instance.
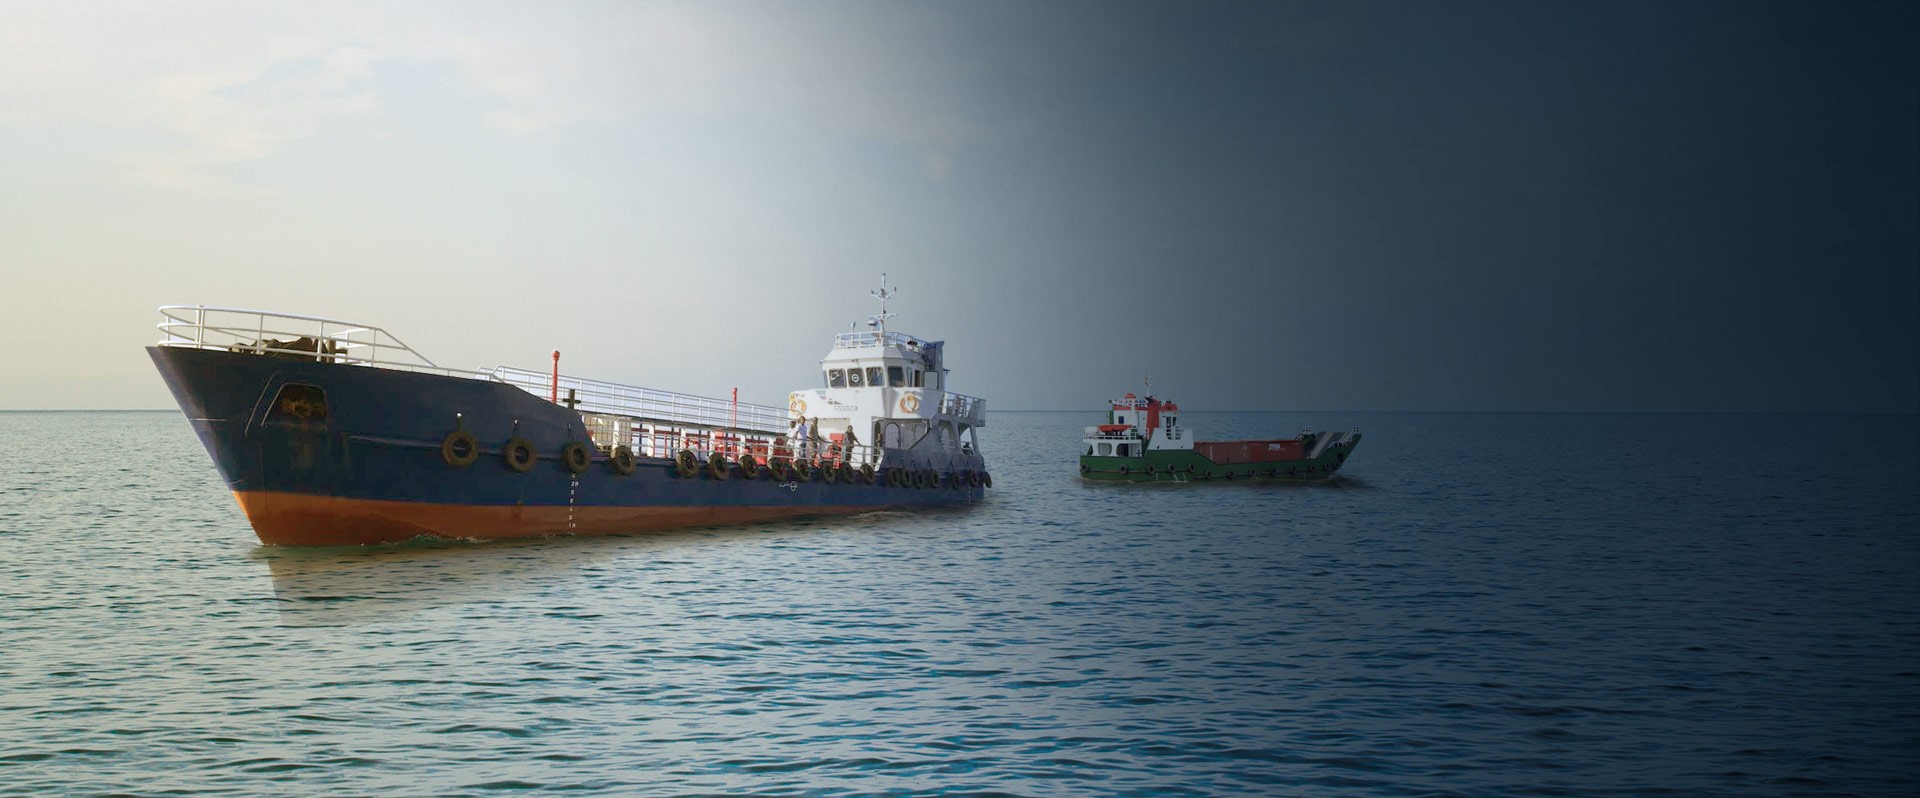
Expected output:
(1143, 441)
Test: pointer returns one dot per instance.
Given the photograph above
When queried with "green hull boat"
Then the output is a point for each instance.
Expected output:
(1143, 441)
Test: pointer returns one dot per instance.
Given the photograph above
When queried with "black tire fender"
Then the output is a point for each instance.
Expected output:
(575, 457)
(459, 448)
(519, 454)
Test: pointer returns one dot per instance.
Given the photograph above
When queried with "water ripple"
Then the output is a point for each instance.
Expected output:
(1483, 606)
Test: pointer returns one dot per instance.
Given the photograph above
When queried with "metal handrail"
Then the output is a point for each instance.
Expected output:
(872, 339)
(964, 407)
(648, 404)
(309, 337)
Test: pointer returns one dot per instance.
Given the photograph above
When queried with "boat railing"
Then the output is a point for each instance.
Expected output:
(872, 339)
(971, 409)
(646, 404)
(291, 336)
(662, 439)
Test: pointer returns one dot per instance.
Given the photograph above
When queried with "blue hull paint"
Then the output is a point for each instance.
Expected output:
(382, 430)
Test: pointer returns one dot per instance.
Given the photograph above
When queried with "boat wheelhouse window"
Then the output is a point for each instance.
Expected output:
(1106, 450)
(896, 377)
(837, 378)
(916, 378)
(873, 376)
(1123, 450)
(853, 378)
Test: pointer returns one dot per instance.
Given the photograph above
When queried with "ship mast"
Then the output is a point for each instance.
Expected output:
(879, 321)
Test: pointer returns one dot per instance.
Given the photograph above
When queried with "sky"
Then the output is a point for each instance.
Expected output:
(1353, 206)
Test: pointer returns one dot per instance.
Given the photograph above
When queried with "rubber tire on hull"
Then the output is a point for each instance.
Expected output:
(459, 449)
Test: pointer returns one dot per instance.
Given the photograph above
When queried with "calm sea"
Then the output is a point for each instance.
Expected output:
(1481, 605)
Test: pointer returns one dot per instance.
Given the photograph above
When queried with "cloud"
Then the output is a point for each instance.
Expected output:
(187, 90)
(220, 119)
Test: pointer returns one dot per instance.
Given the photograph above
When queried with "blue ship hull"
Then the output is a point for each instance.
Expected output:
(324, 453)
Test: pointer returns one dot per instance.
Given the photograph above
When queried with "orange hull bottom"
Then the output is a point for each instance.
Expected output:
(292, 519)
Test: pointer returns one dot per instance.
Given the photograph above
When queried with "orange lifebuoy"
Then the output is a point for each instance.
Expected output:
(910, 403)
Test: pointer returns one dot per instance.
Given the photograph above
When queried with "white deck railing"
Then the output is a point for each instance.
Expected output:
(287, 335)
(335, 341)
(970, 409)
(591, 396)
(871, 339)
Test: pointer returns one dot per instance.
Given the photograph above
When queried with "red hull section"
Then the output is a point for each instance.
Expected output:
(1226, 452)
(294, 519)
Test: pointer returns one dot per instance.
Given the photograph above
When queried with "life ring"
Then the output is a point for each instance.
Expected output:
(685, 464)
(716, 466)
(797, 404)
(866, 473)
(519, 454)
(894, 478)
(749, 468)
(459, 448)
(801, 471)
(910, 403)
(986, 479)
(574, 456)
(622, 460)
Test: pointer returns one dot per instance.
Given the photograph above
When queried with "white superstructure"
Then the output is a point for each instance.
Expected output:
(888, 390)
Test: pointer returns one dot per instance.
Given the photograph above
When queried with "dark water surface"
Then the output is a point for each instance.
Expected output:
(1482, 605)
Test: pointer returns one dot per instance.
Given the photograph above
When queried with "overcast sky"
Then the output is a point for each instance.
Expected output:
(1662, 206)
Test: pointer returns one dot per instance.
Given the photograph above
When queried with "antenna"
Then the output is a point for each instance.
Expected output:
(879, 320)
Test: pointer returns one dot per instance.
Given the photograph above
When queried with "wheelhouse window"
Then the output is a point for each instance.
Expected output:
(896, 377)
(837, 378)
(854, 379)
(873, 376)
(916, 378)
(1106, 450)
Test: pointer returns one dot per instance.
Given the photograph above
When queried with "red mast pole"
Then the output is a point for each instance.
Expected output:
(553, 394)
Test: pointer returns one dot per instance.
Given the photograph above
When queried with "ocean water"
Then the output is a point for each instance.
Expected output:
(1480, 605)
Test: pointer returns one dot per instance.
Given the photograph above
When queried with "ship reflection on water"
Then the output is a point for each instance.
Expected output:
(353, 585)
